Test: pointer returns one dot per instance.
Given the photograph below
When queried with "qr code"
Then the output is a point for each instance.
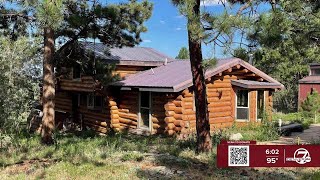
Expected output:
(238, 155)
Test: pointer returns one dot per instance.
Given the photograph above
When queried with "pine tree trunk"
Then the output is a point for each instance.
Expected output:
(204, 143)
(48, 95)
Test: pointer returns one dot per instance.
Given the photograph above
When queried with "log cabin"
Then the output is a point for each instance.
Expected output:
(155, 94)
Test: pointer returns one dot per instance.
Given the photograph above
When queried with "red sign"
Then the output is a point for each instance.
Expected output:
(252, 155)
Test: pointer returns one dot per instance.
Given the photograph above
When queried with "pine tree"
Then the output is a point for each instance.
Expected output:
(192, 10)
(183, 53)
(66, 20)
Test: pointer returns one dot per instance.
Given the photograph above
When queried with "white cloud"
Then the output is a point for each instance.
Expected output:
(180, 16)
(147, 41)
(178, 29)
(162, 22)
(212, 2)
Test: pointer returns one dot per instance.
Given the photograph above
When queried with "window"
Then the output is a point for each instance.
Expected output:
(94, 102)
(260, 104)
(242, 105)
(76, 73)
(315, 72)
(145, 110)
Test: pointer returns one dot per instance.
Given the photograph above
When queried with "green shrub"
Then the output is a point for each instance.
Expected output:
(310, 107)
(132, 157)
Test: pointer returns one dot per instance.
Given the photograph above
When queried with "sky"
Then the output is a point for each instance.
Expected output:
(167, 31)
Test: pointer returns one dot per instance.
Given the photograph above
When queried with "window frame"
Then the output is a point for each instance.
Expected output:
(150, 128)
(94, 106)
(236, 106)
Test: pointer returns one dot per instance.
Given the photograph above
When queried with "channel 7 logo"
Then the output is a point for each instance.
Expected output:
(300, 156)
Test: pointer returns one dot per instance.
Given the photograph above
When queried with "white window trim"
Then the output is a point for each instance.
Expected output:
(150, 128)
(236, 106)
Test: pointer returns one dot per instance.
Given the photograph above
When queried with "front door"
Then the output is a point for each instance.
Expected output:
(145, 110)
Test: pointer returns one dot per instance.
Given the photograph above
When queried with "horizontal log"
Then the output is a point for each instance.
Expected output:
(221, 120)
(113, 107)
(179, 98)
(115, 125)
(188, 106)
(115, 116)
(128, 115)
(87, 112)
(189, 117)
(219, 80)
(169, 120)
(188, 112)
(112, 103)
(190, 99)
(169, 113)
(158, 120)
(156, 126)
(180, 123)
(170, 132)
(101, 119)
(115, 121)
(216, 99)
(219, 104)
(127, 126)
(178, 116)
(97, 128)
(220, 109)
(220, 85)
(220, 114)
(213, 89)
(178, 110)
(169, 107)
(177, 103)
(114, 111)
(77, 89)
(123, 110)
(170, 126)
(128, 121)
(178, 129)
(95, 122)
(219, 93)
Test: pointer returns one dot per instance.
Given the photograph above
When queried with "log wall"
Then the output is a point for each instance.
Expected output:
(124, 111)
(124, 71)
(98, 120)
(269, 104)
(158, 112)
(221, 101)
(63, 102)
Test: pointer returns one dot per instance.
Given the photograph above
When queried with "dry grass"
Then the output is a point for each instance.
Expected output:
(124, 157)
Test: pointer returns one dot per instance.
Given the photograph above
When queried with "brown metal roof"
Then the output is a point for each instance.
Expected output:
(128, 55)
(310, 80)
(248, 84)
(176, 75)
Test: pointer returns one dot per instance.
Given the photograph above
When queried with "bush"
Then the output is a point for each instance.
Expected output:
(310, 107)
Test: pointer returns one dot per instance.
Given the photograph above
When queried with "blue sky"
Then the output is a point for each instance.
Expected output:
(167, 28)
(167, 31)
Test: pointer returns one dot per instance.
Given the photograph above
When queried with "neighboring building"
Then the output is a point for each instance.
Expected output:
(310, 83)
(158, 96)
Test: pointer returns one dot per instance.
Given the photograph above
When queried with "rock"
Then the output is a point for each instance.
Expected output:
(236, 137)
(180, 172)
